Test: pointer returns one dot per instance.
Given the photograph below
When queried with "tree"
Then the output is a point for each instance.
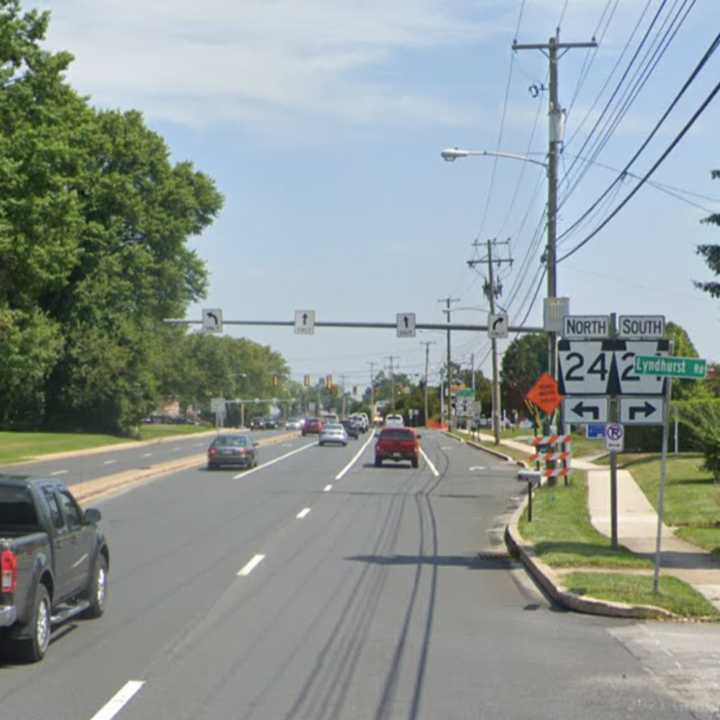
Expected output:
(683, 347)
(711, 253)
(524, 361)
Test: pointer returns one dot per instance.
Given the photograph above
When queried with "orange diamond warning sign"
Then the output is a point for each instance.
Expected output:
(545, 393)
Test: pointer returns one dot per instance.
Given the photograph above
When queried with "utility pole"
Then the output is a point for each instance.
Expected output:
(343, 405)
(427, 344)
(372, 391)
(392, 359)
(556, 116)
(448, 302)
(493, 291)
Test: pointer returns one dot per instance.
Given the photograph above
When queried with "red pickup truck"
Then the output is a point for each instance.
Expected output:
(397, 444)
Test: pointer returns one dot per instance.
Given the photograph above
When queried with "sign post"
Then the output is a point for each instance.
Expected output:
(669, 368)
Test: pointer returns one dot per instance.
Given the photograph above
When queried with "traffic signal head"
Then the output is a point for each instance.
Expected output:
(275, 380)
(328, 381)
(306, 381)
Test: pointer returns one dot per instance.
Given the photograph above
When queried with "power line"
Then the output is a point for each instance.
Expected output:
(649, 173)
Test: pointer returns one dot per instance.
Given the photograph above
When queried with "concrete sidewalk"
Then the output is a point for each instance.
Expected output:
(637, 526)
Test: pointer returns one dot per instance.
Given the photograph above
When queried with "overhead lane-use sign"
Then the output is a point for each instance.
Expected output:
(304, 322)
(498, 324)
(405, 324)
(212, 320)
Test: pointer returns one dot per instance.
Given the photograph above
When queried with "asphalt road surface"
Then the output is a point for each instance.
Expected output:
(320, 588)
(119, 458)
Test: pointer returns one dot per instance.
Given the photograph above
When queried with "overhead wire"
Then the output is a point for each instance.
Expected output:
(703, 61)
(638, 82)
(649, 173)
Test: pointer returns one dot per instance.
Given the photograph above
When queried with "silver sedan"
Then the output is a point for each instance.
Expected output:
(333, 433)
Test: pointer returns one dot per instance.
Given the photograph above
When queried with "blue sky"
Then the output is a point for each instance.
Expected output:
(322, 122)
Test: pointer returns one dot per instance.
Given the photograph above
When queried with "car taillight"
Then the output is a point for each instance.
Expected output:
(8, 571)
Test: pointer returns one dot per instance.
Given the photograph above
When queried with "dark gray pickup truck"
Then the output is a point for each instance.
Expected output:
(53, 562)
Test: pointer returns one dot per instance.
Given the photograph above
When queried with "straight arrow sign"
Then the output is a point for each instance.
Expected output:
(641, 410)
(586, 409)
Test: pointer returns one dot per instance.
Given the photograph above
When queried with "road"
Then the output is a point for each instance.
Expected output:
(318, 587)
(118, 458)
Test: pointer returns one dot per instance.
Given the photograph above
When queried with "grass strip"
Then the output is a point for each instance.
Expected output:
(155, 432)
(692, 499)
(674, 594)
(23, 446)
(563, 534)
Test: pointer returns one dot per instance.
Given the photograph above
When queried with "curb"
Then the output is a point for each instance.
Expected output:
(544, 576)
(496, 453)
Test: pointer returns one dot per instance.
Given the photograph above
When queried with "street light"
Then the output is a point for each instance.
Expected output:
(452, 154)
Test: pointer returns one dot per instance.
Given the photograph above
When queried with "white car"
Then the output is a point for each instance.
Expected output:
(394, 421)
(333, 434)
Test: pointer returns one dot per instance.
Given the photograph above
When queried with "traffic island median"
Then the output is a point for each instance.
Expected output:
(578, 569)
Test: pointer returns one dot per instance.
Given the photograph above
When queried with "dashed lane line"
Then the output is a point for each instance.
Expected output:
(433, 469)
(303, 513)
(109, 462)
(118, 701)
(60, 472)
(327, 488)
(251, 565)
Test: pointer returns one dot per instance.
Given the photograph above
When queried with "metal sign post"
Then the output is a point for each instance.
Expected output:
(663, 477)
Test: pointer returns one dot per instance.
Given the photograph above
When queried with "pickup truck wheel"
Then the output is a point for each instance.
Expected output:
(34, 648)
(97, 590)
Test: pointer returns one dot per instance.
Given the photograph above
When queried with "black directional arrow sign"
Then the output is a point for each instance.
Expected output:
(586, 409)
(641, 410)
(304, 322)
(582, 410)
(405, 324)
(212, 320)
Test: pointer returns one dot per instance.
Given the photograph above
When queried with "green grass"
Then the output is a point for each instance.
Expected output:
(20, 446)
(563, 535)
(24, 446)
(692, 499)
(155, 432)
(674, 594)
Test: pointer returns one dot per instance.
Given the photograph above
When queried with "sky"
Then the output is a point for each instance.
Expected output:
(322, 123)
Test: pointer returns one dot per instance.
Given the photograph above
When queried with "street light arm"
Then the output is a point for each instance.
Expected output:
(452, 154)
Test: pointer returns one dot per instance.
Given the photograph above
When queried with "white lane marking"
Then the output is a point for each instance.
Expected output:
(275, 460)
(109, 462)
(327, 488)
(147, 454)
(447, 447)
(433, 469)
(303, 513)
(118, 701)
(341, 474)
(60, 472)
(256, 560)
(475, 467)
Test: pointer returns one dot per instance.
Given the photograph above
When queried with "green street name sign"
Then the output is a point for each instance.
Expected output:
(677, 367)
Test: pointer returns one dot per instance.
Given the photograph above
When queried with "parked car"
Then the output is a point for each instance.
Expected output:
(312, 426)
(257, 424)
(54, 561)
(232, 450)
(352, 428)
(333, 434)
(396, 444)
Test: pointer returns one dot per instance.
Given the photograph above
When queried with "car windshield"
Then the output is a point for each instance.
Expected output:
(231, 441)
